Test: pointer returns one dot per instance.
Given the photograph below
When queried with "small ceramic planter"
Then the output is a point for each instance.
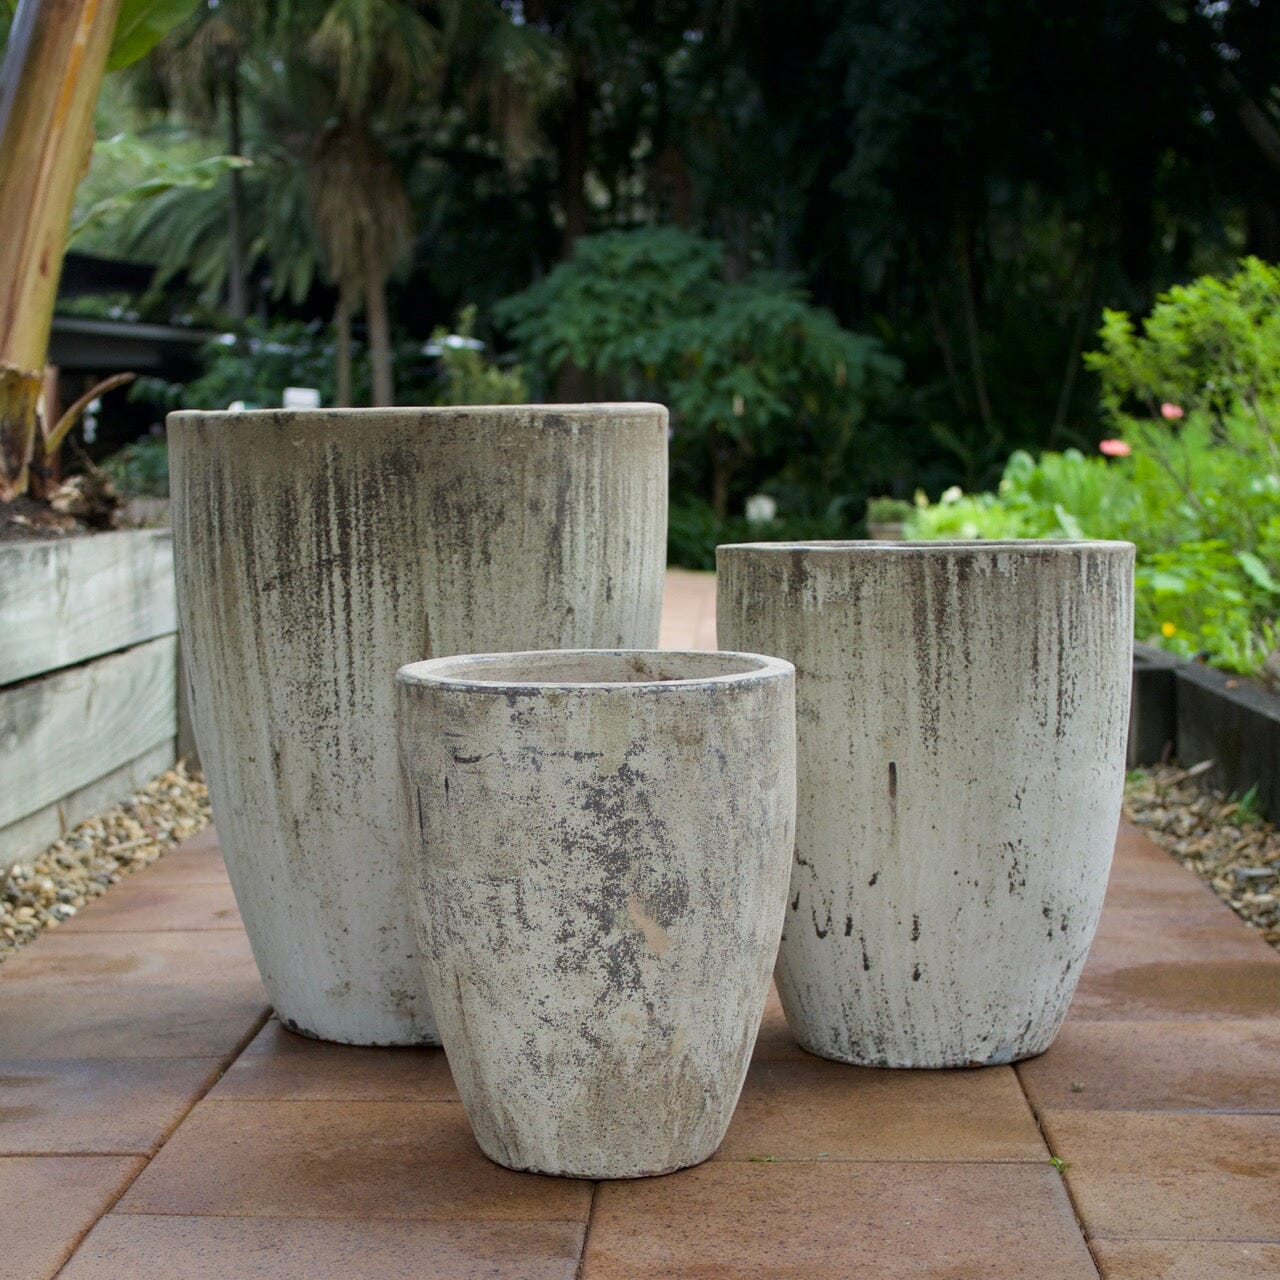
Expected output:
(316, 552)
(604, 841)
(962, 711)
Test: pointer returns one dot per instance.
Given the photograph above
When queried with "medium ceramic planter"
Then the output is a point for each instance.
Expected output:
(604, 843)
(961, 712)
(316, 553)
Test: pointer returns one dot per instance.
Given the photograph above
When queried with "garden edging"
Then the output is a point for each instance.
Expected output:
(1194, 713)
(88, 679)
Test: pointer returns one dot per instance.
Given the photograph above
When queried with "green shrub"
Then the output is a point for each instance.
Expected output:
(1194, 398)
(763, 386)
(889, 511)
(694, 531)
(466, 376)
(140, 470)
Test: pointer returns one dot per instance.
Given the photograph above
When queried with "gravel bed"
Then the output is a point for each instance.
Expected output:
(91, 857)
(1218, 837)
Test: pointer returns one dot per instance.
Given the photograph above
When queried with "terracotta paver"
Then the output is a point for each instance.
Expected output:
(197, 861)
(689, 611)
(1186, 1260)
(1171, 1176)
(827, 1110)
(279, 1064)
(341, 1159)
(842, 1221)
(130, 995)
(94, 1105)
(1158, 1066)
(1143, 875)
(306, 1159)
(166, 904)
(47, 1203)
(1179, 991)
(1129, 936)
(127, 1247)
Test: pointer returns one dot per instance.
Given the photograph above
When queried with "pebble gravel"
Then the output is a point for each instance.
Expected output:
(40, 893)
(1221, 839)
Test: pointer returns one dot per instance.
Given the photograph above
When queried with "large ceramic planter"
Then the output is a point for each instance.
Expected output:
(318, 552)
(604, 843)
(961, 713)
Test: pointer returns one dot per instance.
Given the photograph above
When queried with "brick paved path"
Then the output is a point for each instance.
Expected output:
(154, 1122)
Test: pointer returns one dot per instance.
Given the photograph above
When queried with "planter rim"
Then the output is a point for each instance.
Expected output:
(971, 546)
(517, 673)
(261, 419)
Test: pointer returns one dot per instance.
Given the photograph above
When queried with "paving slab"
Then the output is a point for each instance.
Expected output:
(62, 960)
(797, 1221)
(152, 1020)
(1171, 1176)
(280, 1064)
(1158, 1066)
(129, 1246)
(689, 610)
(130, 995)
(315, 1159)
(47, 1203)
(1144, 875)
(105, 1106)
(1186, 1260)
(143, 903)
(342, 1159)
(1178, 991)
(197, 861)
(1197, 933)
(827, 1110)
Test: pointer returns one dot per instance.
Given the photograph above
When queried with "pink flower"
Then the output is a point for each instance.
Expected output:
(1170, 412)
(1114, 448)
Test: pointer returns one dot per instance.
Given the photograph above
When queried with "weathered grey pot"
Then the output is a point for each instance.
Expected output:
(604, 846)
(317, 552)
(961, 711)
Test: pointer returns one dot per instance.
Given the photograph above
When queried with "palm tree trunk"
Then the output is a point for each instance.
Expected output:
(53, 66)
(237, 294)
(575, 143)
(375, 304)
(342, 351)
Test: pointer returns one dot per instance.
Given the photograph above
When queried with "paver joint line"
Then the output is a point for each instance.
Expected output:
(586, 1232)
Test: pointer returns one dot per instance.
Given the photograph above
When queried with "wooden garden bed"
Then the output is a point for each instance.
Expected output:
(88, 679)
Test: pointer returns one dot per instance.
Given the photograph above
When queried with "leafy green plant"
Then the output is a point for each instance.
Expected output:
(140, 470)
(754, 374)
(467, 377)
(694, 531)
(1194, 477)
(889, 511)
(257, 366)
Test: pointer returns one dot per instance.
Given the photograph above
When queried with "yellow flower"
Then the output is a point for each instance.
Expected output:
(1168, 630)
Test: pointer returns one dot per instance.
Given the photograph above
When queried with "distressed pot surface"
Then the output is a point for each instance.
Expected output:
(317, 552)
(605, 845)
(961, 715)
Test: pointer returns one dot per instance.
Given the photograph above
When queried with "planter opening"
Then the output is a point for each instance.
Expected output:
(590, 668)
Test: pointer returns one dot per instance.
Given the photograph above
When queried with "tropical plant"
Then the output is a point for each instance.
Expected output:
(54, 60)
(753, 373)
(889, 510)
(466, 377)
(1193, 394)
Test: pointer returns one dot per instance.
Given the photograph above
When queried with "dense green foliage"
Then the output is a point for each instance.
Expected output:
(966, 184)
(1194, 397)
(768, 394)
